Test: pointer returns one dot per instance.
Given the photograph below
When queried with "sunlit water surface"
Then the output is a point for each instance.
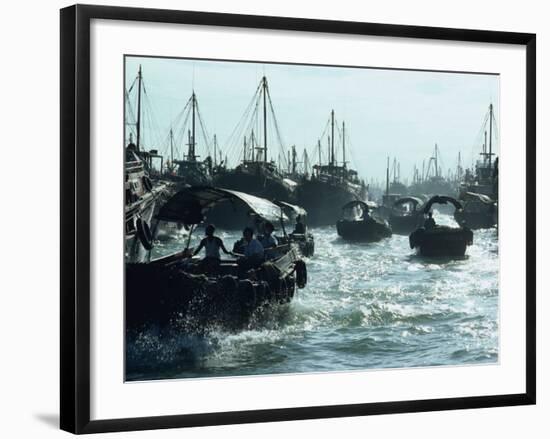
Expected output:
(365, 306)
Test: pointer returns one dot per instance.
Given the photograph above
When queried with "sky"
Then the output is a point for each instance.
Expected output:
(388, 113)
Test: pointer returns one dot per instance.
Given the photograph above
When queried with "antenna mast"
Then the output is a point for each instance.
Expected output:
(138, 122)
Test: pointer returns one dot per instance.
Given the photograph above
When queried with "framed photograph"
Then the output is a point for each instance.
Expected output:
(273, 218)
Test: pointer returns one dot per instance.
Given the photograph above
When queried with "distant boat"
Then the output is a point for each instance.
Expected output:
(330, 185)
(358, 224)
(406, 215)
(432, 181)
(484, 179)
(190, 170)
(437, 240)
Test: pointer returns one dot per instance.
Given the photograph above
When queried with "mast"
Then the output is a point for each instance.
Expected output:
(344, 144)
(319, 148)
(138, 122)
(244, 149)
(293, 159)
(332, 139)
(289, 164)
(388, 177)
(435, 162)
(192, 140)
(171, 148)
(490, 133)
(215, 145)
(264, 87)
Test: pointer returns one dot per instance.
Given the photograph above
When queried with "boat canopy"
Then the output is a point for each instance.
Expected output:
(296, 210)
(442, 199)
(188, 205)
(356, 203)
(415, 201)
(473, 196)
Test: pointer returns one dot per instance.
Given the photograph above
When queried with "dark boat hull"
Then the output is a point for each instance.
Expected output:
(364, 231)
(404, 224)
(260, 184)
(163, 294)
(441, 241)
(482, 219)
(323, 200)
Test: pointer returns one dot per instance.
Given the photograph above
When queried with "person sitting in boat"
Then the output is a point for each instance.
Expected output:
(253, 251)
(267, 239)
(212, 246)
(430, 222)
(299, 228)
(364, 215)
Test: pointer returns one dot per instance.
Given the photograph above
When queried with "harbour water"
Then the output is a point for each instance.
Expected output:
(366, 306)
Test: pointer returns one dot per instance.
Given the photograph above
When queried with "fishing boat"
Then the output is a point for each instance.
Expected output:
(257, 174)
(331, 184)
(142, 197)
(357, 224)
(189, 170)
(431, 180)
(479, 211)
(484, 179)
(406, 215)
(144, 188)
(438, 240)
(178, 289)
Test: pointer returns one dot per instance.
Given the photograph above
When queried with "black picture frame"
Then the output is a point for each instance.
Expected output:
(75, 217)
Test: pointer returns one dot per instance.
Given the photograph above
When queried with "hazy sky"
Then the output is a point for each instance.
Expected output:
(394, 113)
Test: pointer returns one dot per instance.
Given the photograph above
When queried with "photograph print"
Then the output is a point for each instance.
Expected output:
(291, 218)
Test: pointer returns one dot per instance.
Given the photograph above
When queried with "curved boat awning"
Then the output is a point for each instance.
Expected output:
(474, 196)
(188, 205)
(415, 201)
(356, 203)
(442, 199)
(297, 210)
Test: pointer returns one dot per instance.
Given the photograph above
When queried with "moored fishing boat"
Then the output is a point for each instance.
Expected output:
(479, 211)
(358, 224)
(256, 173)
(331, 184)
(142, 197)
(438, 240)
(179, 288)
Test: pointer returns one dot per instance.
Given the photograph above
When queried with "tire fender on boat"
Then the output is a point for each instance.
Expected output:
(247, 294)
(144, 234)
(301, 273)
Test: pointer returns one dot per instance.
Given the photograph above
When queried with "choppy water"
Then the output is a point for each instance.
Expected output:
(365, 306)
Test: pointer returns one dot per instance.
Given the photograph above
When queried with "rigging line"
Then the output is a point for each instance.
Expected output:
(246, 126)
(204, 131)
(277, 130)
(133, 83)
(246, 111)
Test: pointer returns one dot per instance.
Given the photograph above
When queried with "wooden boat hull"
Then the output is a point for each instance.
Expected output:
(404, 224)
(163, 293)
(441, 241)
(323, 200)
(365, 231)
